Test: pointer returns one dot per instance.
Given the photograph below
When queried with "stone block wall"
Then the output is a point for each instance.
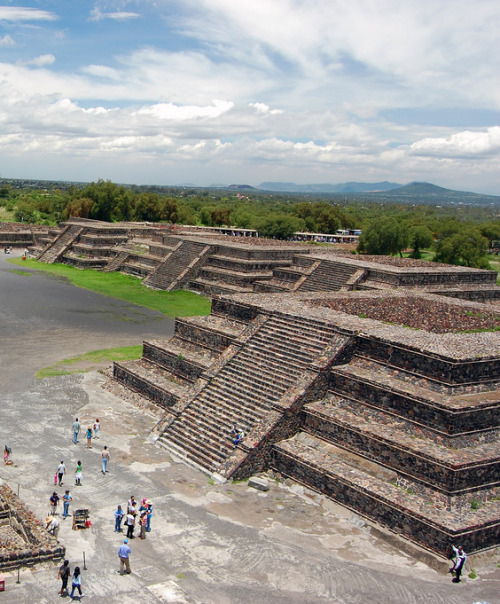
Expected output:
(388, 513)
(33, 543)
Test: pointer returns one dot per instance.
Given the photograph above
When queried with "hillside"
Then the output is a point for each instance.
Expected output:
(432, 194)
(343, 187)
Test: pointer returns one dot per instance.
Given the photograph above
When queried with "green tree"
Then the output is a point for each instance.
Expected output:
(79, 208)
(490, 230)
(467, 247)
(384, 237)
(220, 217)
(279, 226)
(419, 238)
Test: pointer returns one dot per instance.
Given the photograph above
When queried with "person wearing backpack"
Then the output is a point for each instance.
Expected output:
(64, 573)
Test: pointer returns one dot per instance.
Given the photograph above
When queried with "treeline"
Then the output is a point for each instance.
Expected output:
(456, 234)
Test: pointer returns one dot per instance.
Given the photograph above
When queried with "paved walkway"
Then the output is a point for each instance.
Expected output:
(210, 543)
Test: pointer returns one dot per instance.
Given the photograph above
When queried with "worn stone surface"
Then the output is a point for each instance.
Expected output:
(261, 484)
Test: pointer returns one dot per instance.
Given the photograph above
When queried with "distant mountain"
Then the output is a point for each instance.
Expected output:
(344, 187)
(423, 188)
(242, 187)
(433, 193)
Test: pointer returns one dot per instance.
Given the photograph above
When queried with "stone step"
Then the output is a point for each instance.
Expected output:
(314, 327)
(237, 411)
(150, 381)
(200, 437)
(188, 451)
(245, 264)
(252, 383)
(233, 391)
(287, 352)
(404, 448)
(450, 415)
(210, 287)
(232, 277)
(274, 366)
(272, 286)
(177, 349)
(427, 518)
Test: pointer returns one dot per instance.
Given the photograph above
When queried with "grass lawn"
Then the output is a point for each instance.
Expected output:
(125, 287)
(91, 361)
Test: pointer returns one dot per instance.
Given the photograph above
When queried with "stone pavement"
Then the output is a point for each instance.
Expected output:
(209, 543)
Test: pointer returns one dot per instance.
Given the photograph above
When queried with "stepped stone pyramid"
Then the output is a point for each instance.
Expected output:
(396, 416)
(354, 375)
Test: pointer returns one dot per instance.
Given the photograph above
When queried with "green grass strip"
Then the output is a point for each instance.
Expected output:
(178, 303)
(88, 360)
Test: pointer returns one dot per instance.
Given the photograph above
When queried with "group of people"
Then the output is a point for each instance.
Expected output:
(135, 515)
(91, 432)
(76, 579)
(54, 499)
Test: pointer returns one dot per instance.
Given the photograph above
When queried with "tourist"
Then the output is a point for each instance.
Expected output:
(78, 474)
(149, 514)
(461, 559)
(54, 500)
(67, 499)
(143, 520)
(76, 430)
(76, 582)
(97, 425)
(52, 525)
(64, 573)
(239, 438)
(89, 437)
(124, 554)
(6, 453)
(105, 458)
(118, 519)
(131, 504)
(130, 522)
(61, 471)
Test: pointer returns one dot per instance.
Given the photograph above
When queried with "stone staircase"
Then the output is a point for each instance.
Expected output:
(329, 275)
(176, 268)
(115, 263)
(404, 448)
(56, 248)
(170, 368)
(245, 390)
(310, 275)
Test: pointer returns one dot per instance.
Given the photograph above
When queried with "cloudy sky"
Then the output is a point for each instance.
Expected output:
(246, 91)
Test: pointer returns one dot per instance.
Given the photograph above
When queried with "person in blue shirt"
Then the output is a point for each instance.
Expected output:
(123, 553)
(76, 582)
(118, 519)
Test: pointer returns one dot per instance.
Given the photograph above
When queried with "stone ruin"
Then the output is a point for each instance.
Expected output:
(372, 380)
(397, 422)
(23, 538)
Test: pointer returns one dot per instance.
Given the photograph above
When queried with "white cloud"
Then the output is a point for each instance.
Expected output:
(6, 41)
(42, 60)
(462, 144)
(265, 109)
(20, 13)
(97, 15)
(169, 111)
(102, 71)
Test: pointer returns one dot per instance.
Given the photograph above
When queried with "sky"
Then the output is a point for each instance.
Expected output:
(206, 92)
